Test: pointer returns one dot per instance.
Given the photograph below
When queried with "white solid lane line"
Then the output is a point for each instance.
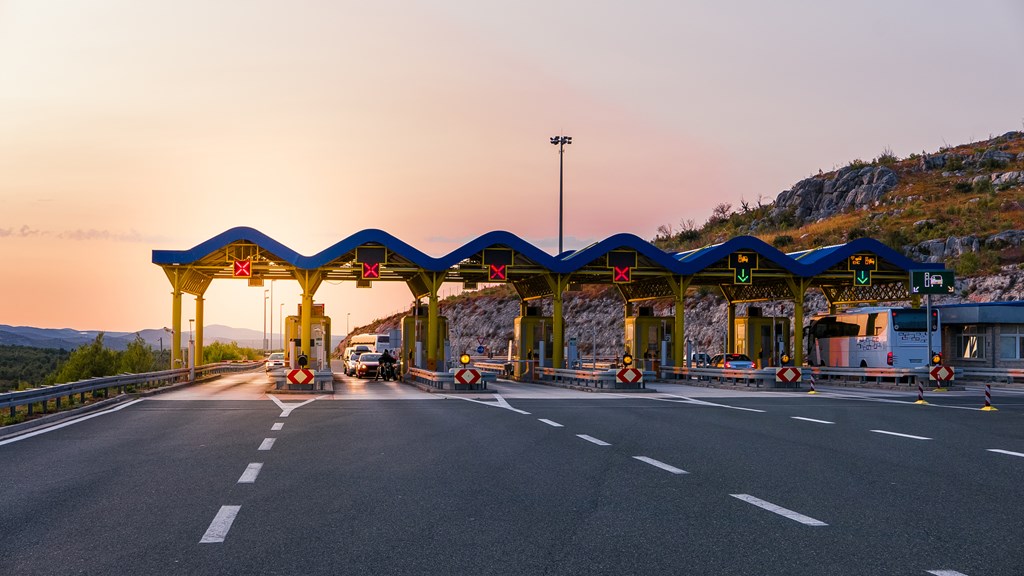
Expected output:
(811, 420)
(550, 422)
(251, 472)
(946, 573)
(779, 510)
(911, 436)
(1007, 452)
(593, 440)
(661, 465)
(68, 423)
(267, 444)
(218, 529)
(277, 426)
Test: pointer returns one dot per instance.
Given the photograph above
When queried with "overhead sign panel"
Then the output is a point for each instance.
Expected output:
(743, 265)
(932, 282)
(622, 263)
(497, 261)
(862, 265)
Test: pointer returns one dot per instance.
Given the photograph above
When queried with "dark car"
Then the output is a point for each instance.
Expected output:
(367, 365)
(733, 361)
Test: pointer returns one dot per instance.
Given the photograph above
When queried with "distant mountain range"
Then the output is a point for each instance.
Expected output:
(68, 338)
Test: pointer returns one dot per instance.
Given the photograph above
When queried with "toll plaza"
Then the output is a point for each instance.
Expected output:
(744, 269)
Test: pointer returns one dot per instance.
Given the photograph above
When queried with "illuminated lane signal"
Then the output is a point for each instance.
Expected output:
(242, 269)
(497, 273)
(743, 265)
(371, 271)
(621, 275)
(862, 265)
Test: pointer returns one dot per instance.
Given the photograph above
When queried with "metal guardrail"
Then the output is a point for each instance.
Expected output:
(1003, 375)
(446, 380)
(11, 400)
(589, 378)
(757, 378)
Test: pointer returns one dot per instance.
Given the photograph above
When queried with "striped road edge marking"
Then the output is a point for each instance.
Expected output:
(911, 436)
(68, 423)
(811, 420)
(550, 422)
(946, 573)
(218, 529)
(662, 465)
(1007, 452)
(779, 510)
(251, 472)
(593, 440)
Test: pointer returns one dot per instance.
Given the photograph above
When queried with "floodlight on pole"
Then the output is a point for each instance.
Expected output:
(560, 141)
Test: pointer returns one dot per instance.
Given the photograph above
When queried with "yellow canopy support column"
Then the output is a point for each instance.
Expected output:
(199, 330)
(730, 340)
(433, 338)
(176, 278)
(558, 284)
(309, 281)
(798, 287)
(679, 286)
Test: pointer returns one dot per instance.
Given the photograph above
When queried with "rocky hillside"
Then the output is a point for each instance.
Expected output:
(963, 206)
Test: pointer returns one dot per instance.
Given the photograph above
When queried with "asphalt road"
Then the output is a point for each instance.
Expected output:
(380, 478)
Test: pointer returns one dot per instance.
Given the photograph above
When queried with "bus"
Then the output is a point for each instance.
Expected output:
(872, 337)
(376, 342)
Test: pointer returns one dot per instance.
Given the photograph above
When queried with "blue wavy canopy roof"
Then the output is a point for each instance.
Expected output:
(804, 263)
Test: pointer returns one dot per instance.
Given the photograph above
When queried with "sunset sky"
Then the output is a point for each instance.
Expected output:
(129, 126)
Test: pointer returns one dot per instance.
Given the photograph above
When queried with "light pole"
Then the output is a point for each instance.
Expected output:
(347, 316)
(270, 341)
(560, 141)
(171, 332)
(280, 322)
(265, 292)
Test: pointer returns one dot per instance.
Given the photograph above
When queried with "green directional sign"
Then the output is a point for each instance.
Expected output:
(743, 265)
(862, 265)
(932, 282)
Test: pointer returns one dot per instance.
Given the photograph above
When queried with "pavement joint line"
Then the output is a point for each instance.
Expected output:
(277, 426)
(811, 420)
(807, 520)
(251, 472)
(220, 525)
(69, 422)
(946, 573)
(593, 440)
(662, 465)
(551, 423)
(1007, 452)
(911, 436)
(267, 444)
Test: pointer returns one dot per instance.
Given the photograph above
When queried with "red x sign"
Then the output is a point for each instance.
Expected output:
(497, 272)
(243, 269)
(621, 274)
(371, 271)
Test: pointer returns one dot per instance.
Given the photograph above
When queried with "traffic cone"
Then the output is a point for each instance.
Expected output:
(988, 399)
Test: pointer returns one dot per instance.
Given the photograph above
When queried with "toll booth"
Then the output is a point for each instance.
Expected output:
(765, 339)
(533, 342)
(414, 342)
(649, 338)
(319, 349)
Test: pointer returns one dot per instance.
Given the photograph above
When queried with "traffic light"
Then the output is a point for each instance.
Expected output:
(937, 359)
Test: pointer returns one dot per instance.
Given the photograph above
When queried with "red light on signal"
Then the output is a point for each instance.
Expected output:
(621, 274)
(371, 271)
(497, 272)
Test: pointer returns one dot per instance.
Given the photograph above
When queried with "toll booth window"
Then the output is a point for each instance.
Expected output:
(1011, 342)
(971, 343)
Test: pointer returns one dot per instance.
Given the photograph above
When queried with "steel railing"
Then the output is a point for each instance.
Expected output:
(121, 382)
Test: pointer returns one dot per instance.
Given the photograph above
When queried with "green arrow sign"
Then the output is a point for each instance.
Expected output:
(862, 278)
(743, 276)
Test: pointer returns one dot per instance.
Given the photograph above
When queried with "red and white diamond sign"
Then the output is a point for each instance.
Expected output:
(242, 269)
(787, 374)
(300, 376)
(941, 373)
(629, 376)
(467, 376)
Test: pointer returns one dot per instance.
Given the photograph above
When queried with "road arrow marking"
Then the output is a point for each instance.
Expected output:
(286, 409)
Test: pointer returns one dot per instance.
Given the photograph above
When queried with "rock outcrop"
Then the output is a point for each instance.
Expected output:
(852, 187)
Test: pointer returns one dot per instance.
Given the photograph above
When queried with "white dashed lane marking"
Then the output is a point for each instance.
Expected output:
(946, 573)
(593, 440)
(550, 423)
(218, 529)
(277, 426)
(251, 472)
(267, 444)
(811, 420)
(661, 465)
(807, 520)
(1007, 452)
(911, 436)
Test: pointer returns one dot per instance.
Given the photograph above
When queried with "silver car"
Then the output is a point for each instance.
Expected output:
(732, 361)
